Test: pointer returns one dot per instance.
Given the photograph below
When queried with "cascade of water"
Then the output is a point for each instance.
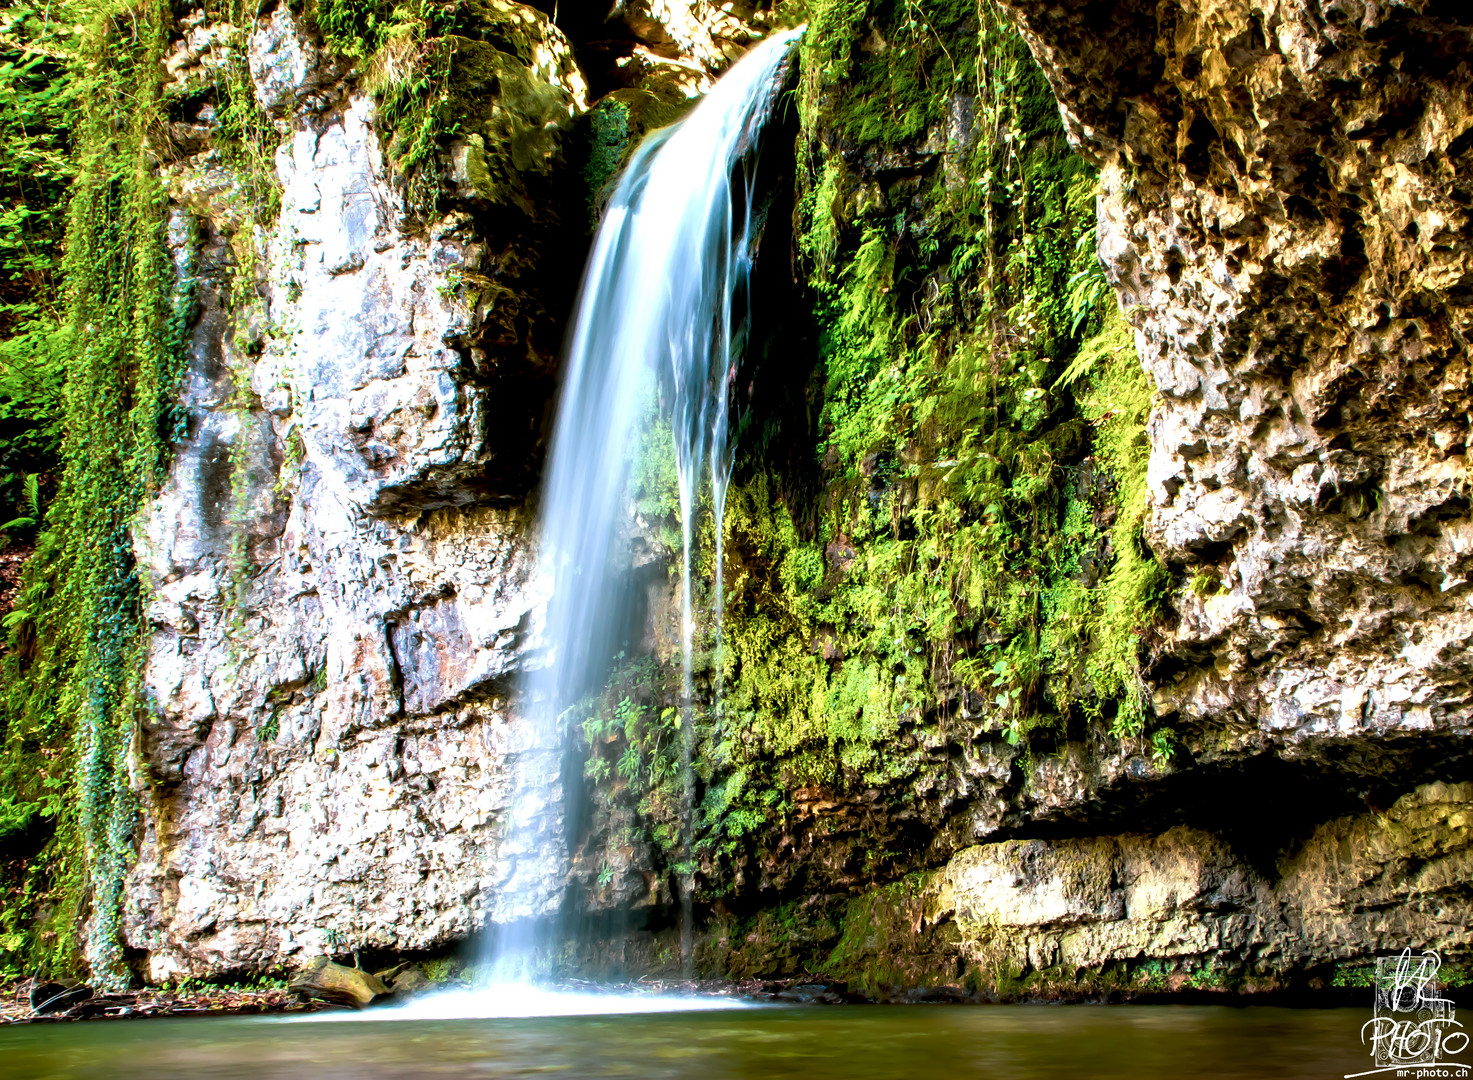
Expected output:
(655, 308)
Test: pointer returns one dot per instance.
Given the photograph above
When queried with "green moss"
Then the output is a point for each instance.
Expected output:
(976, 541)
(1117, 403)
(440, 71)
(881, 944)
(611, 129)
(608, 144)
(787, 940)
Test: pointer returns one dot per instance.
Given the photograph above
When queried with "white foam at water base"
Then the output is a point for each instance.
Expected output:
(522, 1000)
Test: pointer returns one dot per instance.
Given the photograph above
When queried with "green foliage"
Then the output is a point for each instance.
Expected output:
(244, 135)
(654, 480)
(443, 968)
(92, 382)
(877, 933)
(977, 547)
(608, 144)
(632, 735)
(1117, 404)
(37, 106)
(30, 504)
(1359, 975)
(1163, 747)
(402, 51)
(70, 678)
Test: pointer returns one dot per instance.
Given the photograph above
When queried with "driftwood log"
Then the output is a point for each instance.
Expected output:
(334, 982)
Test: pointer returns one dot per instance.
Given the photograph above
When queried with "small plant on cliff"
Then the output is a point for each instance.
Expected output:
(1163, 747)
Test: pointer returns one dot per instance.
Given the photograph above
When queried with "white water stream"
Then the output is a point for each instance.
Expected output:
(661, 314)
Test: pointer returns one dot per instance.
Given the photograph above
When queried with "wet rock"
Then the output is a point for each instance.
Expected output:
(684, 43)
(330, 981)
(812, 994)
(412, 980)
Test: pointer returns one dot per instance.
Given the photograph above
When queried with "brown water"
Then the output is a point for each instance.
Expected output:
(844, 1043)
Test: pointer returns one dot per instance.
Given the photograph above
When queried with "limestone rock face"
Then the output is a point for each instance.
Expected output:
(1284, 214)
(343, 583)
(344, 589)
(1142, 913)
(1351, 890)
(286, 66)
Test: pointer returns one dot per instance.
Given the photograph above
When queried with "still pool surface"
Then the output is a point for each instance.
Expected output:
(815, 1043)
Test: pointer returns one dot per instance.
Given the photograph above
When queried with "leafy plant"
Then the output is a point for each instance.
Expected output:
(1204, 583)
(1163, 747)
(30, 505)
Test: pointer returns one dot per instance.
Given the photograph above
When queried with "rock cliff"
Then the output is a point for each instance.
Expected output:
(1283, 213)
(343, 591)
(1037, 678)
(1262, 172)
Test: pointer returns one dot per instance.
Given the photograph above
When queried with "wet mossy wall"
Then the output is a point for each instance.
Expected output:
(933, 541)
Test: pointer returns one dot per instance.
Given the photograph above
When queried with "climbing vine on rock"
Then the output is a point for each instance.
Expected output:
(71, 701)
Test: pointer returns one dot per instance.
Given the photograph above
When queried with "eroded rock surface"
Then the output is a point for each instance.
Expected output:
(1285, 213)
(343, 584)
(1359, 885)
(1140, 913)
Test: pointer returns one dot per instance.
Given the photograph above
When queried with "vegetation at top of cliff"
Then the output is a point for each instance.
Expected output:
(451, 68)
(401, 51)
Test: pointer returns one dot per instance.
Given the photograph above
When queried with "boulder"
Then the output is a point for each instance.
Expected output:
(412, 980)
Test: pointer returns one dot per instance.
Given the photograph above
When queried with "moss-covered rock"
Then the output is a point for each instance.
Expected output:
(508, 123)
(953, 583)
(1140, 914)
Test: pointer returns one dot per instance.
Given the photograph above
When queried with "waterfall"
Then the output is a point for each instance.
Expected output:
(654, 320)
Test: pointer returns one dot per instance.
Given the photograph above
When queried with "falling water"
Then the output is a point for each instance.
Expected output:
(669, 263)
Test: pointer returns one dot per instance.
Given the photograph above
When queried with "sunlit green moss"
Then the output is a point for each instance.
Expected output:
(982, 417)
(975, 540)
